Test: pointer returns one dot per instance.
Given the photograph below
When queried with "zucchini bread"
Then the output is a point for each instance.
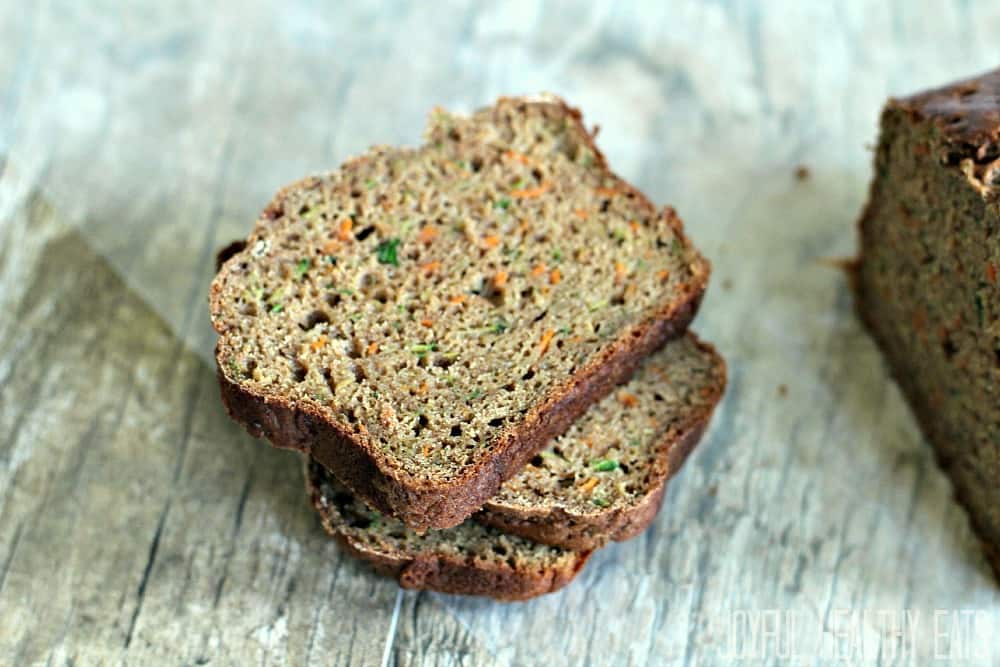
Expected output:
(469, 559)
(926, 279)
(423, 321)
(605, 477)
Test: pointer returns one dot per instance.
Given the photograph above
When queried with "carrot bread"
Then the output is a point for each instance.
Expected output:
(604, 478)
(469, 559)
(926, 279)
(423, 321)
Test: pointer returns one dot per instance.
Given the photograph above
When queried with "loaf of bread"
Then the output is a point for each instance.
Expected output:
(926, 279)
(423, 321)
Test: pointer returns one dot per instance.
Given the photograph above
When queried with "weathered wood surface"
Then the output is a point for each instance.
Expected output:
(137, 525)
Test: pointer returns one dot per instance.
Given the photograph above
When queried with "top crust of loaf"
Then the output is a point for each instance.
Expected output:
(423, 320)
(967, 113)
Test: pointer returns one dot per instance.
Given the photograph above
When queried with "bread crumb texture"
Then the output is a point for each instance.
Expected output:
(424, 299)
(614, 456)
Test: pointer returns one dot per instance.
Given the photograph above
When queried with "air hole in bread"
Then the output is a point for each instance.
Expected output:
(314, 318)
(496, 421)
(456, 430)
(333, 299)
(422, 423)
(364, 232)
(530, 374)
(536, 460)
(299, 371)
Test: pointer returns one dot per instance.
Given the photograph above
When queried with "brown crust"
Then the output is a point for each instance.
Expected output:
(445, 574)
(967, 111)
(424, 505)
(570, 530)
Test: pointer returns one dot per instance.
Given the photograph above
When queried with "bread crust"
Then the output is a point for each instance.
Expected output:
(445, 574)
(423, 504)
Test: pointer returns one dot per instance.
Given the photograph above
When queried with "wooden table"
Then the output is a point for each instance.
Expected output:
(138, 525)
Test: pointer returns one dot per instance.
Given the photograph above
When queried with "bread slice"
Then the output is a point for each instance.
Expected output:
(926, 279)
(469, 559)
(422, 321)
(604, 478)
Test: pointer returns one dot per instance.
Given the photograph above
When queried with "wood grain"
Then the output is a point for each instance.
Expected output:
(139, 526)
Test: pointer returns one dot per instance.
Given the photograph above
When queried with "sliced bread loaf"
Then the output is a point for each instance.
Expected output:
(422, 321)
(469, 559)
(604, 478)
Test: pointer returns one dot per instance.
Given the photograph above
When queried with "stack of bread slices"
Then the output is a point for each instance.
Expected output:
(480, 345)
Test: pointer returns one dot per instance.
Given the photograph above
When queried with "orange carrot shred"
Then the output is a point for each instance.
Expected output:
(588, 485)
(426, 234)
(427, 450)
(991, 272)
(663, 275)
(529, 193)
(518, 157)
(318, 344)
(345, 229)
(431, 267)
(634, 226)
(620, 270)
(580, 213)
(331, 246)
(627, 399)
(539, 269)
(607, 192)
(555, 277)
(458, 298)
(543, 346)
(491, 241)
(500, 279)
(371, 349)
(427, 323)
